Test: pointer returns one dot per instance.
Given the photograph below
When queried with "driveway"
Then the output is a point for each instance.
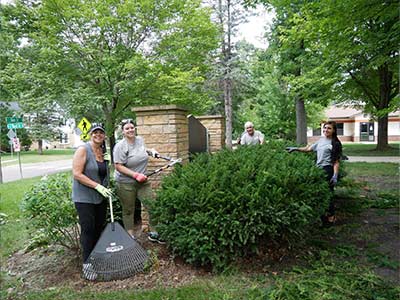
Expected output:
(12, 173)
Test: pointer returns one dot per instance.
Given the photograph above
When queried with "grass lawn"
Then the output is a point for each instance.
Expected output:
(34, 157)
(13, 233)
(356, 169)
(352, 149)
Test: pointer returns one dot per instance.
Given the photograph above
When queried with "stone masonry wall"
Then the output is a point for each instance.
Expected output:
(164, 128)
(216, 130)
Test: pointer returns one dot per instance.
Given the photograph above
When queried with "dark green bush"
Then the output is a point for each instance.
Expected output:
(49, 206)
(220, 207)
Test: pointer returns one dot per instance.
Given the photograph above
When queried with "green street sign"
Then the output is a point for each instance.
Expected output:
(11, 120)
(15, 125)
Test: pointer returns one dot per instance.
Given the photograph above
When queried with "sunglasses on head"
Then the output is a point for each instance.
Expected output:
(127, 121)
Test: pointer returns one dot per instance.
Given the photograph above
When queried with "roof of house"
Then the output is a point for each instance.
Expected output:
(341, 112)
(11, 105)
(345, 112)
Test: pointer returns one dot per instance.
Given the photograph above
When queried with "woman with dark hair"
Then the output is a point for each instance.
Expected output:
(329, 151)
(130, 159)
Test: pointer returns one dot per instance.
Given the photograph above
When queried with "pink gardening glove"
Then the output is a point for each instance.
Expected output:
(140, 177)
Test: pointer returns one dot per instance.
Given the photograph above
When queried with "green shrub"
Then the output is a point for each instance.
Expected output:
(222, 206)
(49, 206)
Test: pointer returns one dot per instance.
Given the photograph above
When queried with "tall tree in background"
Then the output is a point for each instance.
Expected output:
(228, 14)
(350, 50)
(360, 44)
(110, 55)
(295, 62)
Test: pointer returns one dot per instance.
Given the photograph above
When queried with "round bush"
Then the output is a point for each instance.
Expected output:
(220, 207)
(49, 206)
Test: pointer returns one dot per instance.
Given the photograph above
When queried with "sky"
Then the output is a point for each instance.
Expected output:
(253, 31)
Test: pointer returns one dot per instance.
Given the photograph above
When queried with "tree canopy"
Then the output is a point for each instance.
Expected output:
(106, 56)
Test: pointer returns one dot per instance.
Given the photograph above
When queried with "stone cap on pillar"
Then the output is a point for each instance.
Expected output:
(155, 108)
(210, 117)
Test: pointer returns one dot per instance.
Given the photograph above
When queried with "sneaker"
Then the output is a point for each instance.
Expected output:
(88, 272)
(154, 237)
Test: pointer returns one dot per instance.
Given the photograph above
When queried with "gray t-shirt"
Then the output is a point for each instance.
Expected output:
(133, 156)
(255, 139)
(323, 147)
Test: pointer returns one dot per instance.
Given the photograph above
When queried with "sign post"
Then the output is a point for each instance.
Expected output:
(17, 149)
(15, 123)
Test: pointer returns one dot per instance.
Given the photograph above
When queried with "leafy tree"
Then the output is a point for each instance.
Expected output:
(107, 56)
(270, 105)
(289, 52)
(348, 48)
(359, 41)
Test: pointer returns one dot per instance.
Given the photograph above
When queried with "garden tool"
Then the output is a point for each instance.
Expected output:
(164, 157)
(173, 162)
(116, 255)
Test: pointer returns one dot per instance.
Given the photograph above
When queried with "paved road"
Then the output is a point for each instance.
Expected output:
(391, 159)
(11, 173)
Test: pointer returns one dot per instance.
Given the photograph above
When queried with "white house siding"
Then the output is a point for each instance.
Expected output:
(352, 120)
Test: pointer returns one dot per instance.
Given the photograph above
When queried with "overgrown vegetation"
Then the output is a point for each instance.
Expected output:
(330, 279)
(48, 205)
(224, 206)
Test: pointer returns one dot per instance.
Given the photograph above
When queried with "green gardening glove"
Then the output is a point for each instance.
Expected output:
(105, 192)
(107, 156)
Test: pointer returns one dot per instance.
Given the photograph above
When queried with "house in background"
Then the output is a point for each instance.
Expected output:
(354, 125)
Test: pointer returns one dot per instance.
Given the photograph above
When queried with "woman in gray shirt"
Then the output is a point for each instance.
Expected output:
(89, 193)
(329, 151)
(130, 159)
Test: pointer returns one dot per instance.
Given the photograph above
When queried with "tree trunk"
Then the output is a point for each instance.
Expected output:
(385, 79)
(382, 134)
(40, 146)
(227, 81)
(228, 112)
(111, 140)
(301, 122)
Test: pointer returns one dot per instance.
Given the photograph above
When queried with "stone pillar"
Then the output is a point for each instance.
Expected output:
(164, 128)
(216, 130)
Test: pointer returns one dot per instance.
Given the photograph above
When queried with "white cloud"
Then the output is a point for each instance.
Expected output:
(253, 31)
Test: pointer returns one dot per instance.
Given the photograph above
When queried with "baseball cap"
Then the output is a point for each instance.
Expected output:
(97, 126)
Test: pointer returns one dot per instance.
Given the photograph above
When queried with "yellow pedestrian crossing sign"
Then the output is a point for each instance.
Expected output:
(84, 125)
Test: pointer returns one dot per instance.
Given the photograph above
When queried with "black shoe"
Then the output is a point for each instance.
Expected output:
(154, 237)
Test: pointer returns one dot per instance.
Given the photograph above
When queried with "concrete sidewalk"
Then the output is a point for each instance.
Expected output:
(389, 159)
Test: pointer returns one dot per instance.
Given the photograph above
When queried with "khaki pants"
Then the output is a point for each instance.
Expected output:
(127, 194)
